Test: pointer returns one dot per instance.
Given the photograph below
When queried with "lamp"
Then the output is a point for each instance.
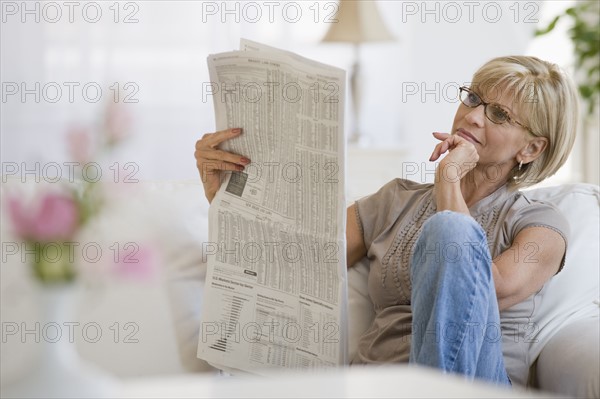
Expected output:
(357, 22)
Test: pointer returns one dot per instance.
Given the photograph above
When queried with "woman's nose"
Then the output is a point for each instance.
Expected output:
(476, 116)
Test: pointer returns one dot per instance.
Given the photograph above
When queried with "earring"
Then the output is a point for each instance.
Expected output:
(516, 175)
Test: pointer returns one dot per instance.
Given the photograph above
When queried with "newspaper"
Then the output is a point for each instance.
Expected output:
(275, 295)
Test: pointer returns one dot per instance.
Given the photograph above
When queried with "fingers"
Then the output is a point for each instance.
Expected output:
(441, 148)
(214, 139)
(220, 156)
(207, 151)
(211, 161)
(441, 136)
(449, 142)
(208, 168)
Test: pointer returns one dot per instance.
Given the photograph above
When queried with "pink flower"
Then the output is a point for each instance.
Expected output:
(136, 262)
(55, 218)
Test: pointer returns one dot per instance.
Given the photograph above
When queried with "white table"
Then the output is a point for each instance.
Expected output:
(357, 382)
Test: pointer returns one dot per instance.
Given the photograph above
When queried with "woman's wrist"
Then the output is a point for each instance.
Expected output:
(448, 196)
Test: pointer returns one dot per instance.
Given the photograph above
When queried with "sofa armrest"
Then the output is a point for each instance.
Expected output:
(570, 362)
(360, 307)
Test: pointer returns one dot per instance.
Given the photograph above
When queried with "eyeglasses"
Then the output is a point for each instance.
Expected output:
(494, 112)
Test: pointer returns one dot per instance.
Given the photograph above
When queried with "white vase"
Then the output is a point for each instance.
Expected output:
(58, 371)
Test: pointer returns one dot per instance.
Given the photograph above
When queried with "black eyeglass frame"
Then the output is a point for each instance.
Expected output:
(485, 105)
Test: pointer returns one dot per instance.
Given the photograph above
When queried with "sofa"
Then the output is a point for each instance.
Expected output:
(564, 354)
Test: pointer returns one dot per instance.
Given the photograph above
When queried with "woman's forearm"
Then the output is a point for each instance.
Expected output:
(449, 197)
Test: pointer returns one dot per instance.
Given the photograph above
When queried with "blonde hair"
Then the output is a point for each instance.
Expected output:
(547, 102)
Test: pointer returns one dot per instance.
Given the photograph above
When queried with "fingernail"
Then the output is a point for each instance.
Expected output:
(236, 130)
(239, 168)
(245, 160)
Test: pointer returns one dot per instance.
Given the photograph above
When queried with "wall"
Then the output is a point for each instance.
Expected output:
(409, 85)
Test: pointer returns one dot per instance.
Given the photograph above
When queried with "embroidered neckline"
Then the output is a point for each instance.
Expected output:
(395, 261)
(485, 204)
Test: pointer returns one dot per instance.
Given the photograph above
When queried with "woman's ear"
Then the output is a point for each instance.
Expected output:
(535, 147)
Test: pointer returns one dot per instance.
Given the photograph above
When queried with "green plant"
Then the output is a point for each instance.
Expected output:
(585, 35)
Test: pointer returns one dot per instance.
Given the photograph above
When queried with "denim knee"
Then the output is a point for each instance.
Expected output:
(451, 237)
(448, 226)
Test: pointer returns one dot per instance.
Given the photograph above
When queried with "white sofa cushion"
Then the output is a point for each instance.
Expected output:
(569, 364)
(360, 307)
(184, 244)
(573, 293)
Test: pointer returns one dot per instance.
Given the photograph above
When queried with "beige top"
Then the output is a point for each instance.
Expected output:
(391, 221)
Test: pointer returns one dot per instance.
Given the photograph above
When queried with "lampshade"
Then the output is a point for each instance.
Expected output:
(358, 22)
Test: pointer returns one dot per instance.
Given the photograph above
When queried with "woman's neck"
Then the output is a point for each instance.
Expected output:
(476, 185)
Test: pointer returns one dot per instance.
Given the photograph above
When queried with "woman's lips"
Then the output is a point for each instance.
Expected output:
(467, 136)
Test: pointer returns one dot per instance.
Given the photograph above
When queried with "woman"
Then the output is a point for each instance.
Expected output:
(446, 258)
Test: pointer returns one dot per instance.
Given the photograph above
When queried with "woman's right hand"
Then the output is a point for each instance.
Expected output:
(211, 161)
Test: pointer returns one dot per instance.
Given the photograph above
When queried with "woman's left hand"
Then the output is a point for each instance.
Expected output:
(462, 156)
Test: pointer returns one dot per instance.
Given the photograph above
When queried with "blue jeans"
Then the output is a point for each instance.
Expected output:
(456, 322)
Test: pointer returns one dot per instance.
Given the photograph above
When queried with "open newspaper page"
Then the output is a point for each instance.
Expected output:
(275, 294)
